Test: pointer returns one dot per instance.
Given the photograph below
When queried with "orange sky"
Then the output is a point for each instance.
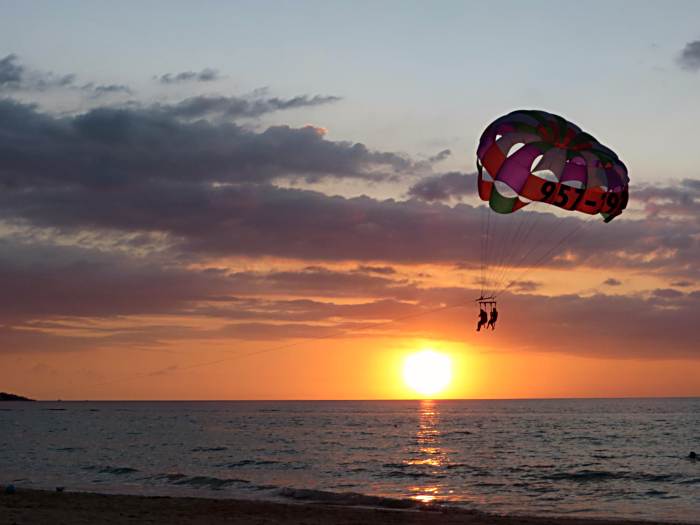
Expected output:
(354, 369)
(322, 365)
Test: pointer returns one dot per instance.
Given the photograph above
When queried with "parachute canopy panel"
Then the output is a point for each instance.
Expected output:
(531, 155)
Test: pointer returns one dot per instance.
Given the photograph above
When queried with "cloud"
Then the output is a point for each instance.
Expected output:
(525, 286)
(317, 282)
(10, 72)
(54, 296)
(440, 156)
(444, 187)
(672, 200)
(205, 75)
(108, 147)
(382, 270)
(667, 293)
(689, 58)
(99, 90)
(238, 107)
(602, 325)
(14, 340)
(207, 187)
(16, 77)
(200, 219)
(612, 282)
(44, 280)
(682, 284)
(610, 326)
(304, 310)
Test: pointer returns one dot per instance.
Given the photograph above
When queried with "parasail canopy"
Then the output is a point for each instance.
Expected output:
(531, 155)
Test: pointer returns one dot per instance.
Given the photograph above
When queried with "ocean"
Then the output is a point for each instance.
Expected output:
(622, 458)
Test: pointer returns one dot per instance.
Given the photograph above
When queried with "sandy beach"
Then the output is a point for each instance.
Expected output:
(35, 507)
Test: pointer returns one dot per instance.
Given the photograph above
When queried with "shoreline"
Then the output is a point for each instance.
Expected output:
(34, 506)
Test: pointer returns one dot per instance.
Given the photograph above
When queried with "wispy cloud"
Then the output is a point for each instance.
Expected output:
(99, 90)
(15, 77)
(238, 107)
(205, 75)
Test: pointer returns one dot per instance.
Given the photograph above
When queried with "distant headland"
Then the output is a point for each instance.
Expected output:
(4, 396)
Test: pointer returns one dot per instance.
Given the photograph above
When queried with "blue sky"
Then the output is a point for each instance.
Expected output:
(414, 76)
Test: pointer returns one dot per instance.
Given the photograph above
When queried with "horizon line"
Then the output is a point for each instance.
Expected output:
(298, 400)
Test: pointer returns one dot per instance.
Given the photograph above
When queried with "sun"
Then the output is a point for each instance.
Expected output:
(427, 372)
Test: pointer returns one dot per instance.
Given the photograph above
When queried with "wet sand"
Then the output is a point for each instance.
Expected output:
(35, 507)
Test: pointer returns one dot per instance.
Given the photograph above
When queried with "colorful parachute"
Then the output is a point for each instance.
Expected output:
(531, 155)
(536, 158)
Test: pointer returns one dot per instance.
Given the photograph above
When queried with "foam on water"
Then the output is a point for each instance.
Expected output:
(620, 458)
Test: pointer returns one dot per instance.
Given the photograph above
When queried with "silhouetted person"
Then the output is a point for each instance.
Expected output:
(482, 319)
(493, 319)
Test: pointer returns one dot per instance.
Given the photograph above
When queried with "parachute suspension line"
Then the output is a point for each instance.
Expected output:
(486, 251)
(502, 230)
(561, 241)
(530, 267)
(526, 226)
(522, 261)
(499, 231)
(514, 247)
(507, 236)
(521, 244)
(487, 232)
(511, 247)
(482, 235)
(525, 243)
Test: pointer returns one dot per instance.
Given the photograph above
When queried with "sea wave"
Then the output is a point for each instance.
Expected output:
(459, 433)
(210, 482)
(117, 471)
(251, 463)
(604, 475)
(691, 481)
(347, 498)
(206, 482)
(409, 474)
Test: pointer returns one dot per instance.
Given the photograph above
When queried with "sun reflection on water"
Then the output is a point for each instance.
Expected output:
(429, 452)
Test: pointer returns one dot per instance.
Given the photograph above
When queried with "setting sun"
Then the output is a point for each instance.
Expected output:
(427, 372)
